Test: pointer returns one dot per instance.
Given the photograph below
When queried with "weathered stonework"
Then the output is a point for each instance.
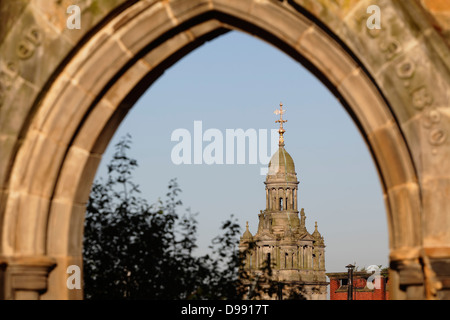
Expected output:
(283, 253)
(63, 93)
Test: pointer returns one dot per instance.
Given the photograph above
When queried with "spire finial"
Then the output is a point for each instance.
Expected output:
(246, 225)
(281, 131)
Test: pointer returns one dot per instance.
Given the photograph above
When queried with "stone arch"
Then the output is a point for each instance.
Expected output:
(75, 111)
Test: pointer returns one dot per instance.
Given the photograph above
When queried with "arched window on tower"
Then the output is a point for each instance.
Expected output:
(281, 204)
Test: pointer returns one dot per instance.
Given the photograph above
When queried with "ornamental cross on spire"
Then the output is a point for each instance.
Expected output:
(281, 131)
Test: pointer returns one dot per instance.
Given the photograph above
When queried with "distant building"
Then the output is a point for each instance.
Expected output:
(379, 290)
(283, 256)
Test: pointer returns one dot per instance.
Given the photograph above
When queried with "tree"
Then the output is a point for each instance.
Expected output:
(133, 250)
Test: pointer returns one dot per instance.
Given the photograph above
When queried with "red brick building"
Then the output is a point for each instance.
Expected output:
(377, 290)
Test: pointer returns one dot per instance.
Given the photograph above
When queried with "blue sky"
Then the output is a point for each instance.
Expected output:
(237, 81)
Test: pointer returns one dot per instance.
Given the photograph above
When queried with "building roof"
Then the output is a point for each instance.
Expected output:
(282, 166)
(247, 236)
(360, 274)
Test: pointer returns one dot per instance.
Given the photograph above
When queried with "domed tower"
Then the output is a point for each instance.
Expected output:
(282, 251)
(281, 191)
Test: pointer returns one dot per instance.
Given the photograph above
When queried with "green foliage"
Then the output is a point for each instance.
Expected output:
(133, 250)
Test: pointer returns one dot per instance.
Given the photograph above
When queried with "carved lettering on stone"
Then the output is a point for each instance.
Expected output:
(30, 41)
(391, 48)
(431, 118)
(421, 98)
(406, 69)
(8, 73)
(437, 137)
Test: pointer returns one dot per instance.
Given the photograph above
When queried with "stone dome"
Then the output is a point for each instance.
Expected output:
(282, 166)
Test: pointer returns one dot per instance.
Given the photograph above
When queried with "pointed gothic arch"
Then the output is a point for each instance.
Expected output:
(48, 170)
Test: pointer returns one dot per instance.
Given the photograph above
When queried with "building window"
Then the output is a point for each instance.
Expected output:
(281, 204)
(344, 282)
